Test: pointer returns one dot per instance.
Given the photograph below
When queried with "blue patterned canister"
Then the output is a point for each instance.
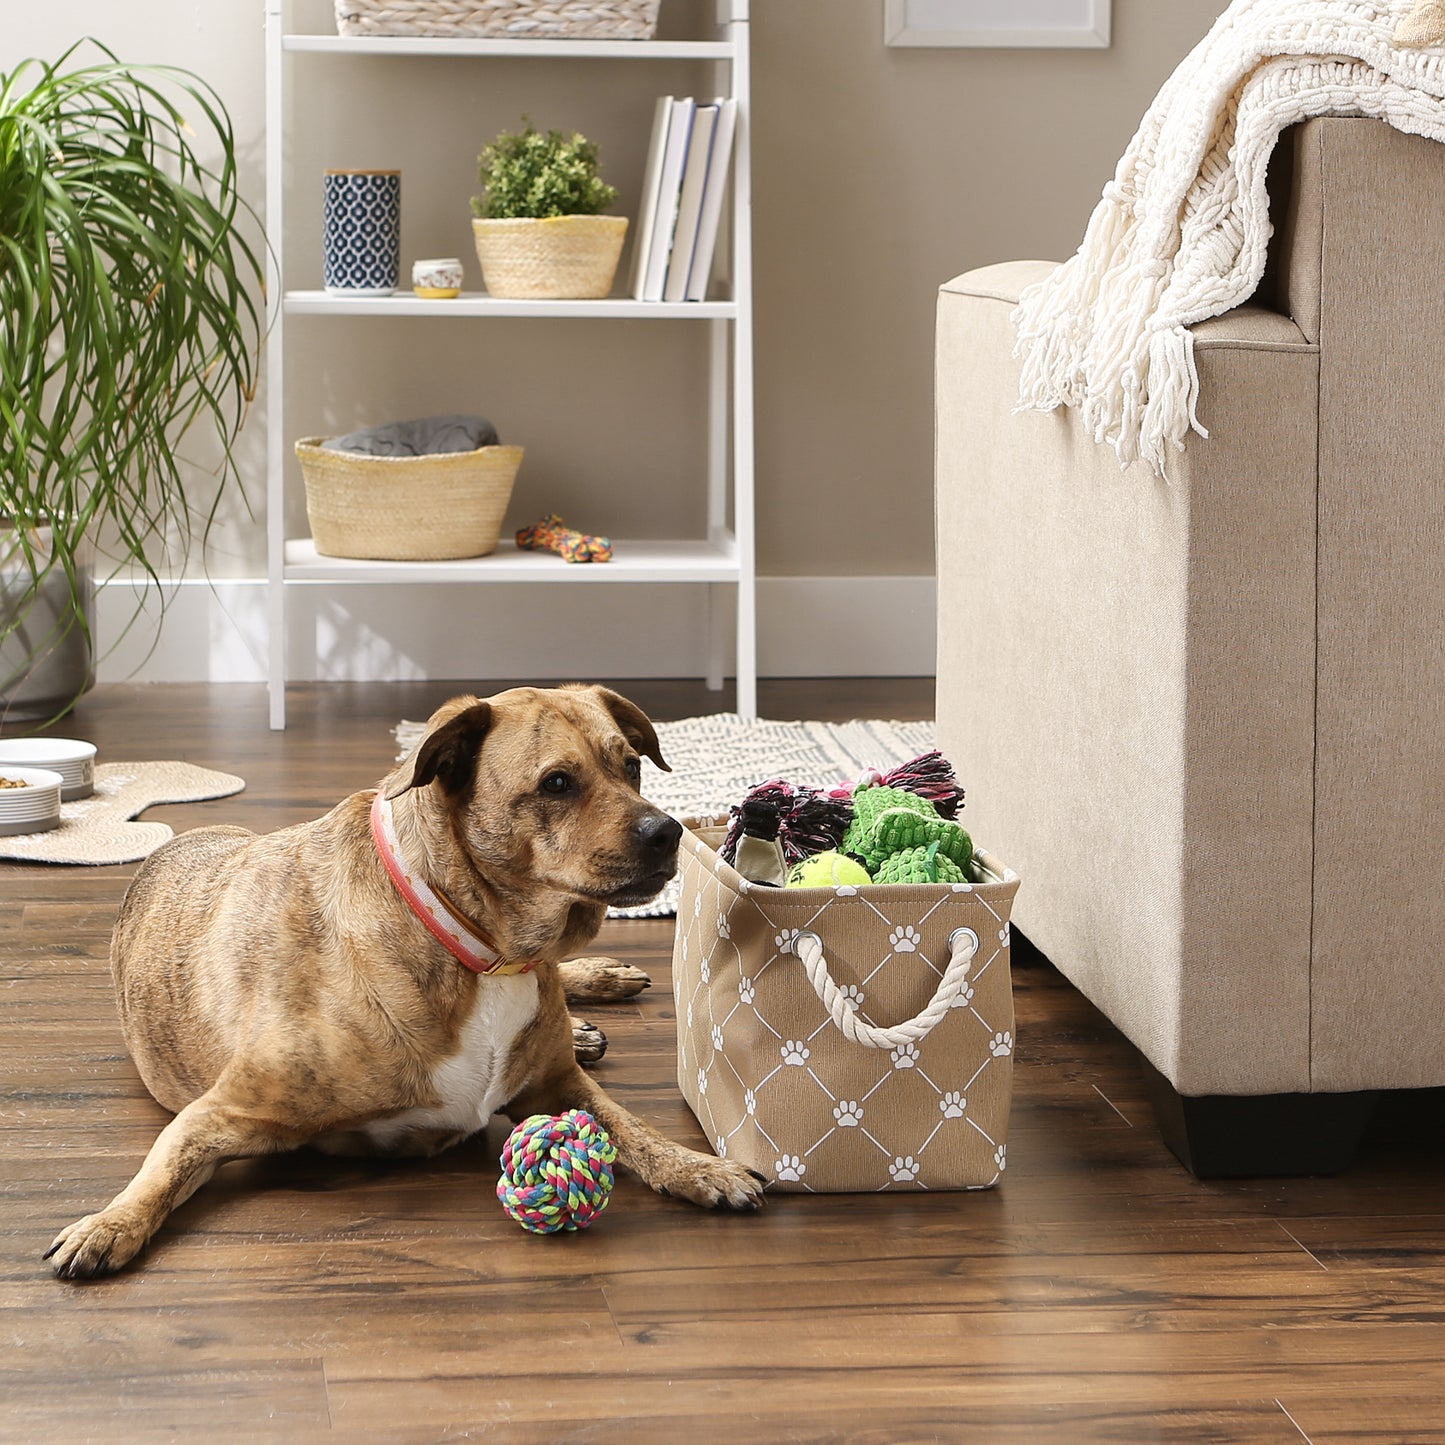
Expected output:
(361, 233)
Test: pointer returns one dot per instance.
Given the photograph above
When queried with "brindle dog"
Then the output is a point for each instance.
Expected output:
(277, 991)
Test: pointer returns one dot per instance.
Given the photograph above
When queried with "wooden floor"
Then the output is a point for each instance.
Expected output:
(1099, 1294)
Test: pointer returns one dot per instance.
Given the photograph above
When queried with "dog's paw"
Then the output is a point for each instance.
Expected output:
(602, 980)
(712, 1183)
(97, 1245)
(589, 1041)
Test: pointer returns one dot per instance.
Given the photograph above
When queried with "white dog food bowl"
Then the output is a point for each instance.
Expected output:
(72, 759)
(34, 807)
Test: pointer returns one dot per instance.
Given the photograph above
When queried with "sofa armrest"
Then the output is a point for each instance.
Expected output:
(1250, 325)
(1003, 281)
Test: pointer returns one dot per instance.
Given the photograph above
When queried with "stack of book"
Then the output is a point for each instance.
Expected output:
(682, 198)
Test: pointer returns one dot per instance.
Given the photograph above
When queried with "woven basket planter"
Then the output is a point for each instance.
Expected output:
(407, 509)
(562, 258)
(514, 19)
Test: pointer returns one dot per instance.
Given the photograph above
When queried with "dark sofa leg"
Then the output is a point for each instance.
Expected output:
(1221, 1136)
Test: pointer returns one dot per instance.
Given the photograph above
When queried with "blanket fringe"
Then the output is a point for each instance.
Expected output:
(1176, 237)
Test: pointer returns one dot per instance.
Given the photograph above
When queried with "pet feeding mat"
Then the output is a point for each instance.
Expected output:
(98, 829)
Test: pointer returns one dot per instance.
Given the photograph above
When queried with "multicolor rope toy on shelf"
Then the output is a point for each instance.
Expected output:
(556, 1172)
(552, 534)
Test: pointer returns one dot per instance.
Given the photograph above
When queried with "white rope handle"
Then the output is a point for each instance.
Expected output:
(962, 943)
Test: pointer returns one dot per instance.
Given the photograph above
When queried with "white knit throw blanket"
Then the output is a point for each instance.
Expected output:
(1181, 231)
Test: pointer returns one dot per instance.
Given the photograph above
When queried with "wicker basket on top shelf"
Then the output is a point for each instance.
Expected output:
(501, 19)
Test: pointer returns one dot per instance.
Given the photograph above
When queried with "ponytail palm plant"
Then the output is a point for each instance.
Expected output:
(130, 322)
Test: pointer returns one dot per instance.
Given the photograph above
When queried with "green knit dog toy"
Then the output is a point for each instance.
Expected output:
(919, 865)
(902, 839)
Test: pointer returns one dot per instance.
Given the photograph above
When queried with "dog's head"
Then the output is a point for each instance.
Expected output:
(541, 790)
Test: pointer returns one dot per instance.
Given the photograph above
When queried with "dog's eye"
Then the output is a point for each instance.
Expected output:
(634, 770)
(557, 783)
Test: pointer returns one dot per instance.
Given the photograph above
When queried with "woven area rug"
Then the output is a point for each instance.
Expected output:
(716, 759)
(98, 829)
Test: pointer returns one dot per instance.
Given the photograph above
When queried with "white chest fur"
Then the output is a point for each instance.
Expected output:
(471, 1084)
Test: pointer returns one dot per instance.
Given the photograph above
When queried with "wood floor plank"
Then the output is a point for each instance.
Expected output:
(162, 1399)
(1387, 1415)
(954, 1369)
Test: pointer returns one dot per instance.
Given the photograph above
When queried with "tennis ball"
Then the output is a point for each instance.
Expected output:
(828, 870)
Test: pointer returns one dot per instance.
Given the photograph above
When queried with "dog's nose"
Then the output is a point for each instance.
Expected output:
(659, 834)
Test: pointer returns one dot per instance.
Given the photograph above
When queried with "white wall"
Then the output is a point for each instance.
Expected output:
(878, 174)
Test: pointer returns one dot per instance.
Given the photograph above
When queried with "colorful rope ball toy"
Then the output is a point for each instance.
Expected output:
(556, 1171)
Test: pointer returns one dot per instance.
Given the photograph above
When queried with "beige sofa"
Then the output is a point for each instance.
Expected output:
(1205, 719)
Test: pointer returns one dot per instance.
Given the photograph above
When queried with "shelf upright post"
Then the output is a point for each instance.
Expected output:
(275, 372)
(719, 391)
(744, 521)
(718, 532)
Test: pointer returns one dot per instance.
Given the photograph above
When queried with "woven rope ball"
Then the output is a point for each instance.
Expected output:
(556, 1171)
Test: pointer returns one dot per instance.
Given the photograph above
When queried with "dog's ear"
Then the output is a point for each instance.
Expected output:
(448, 755)
(636, 726)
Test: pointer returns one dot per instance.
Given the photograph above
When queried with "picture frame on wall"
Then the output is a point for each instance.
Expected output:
(1000, 23)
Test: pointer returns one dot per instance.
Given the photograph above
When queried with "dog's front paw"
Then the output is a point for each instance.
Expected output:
(712, 1183)
(602, 980)
(589, 1042)
(97, 1245)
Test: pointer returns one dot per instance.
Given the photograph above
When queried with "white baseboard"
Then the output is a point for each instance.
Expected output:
(807, 627)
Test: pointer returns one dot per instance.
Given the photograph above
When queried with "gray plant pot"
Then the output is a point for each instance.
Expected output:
(46, 659)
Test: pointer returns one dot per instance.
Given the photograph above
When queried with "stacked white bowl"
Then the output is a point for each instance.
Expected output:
(72, 759)
(31, 807)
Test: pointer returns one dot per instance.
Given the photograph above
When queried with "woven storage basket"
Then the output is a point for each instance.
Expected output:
(515, 19)
(407, 509)
(562, 258)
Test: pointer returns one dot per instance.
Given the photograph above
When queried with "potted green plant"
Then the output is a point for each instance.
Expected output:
(129, 325)
(538, 225)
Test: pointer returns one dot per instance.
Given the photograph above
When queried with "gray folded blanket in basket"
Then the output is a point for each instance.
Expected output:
(424, 437)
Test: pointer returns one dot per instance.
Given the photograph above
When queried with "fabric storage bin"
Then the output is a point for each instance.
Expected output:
(846, 1039)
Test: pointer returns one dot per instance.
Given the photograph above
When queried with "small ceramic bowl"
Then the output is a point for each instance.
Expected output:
(73, 759)
(29, 800)
(437, 280)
